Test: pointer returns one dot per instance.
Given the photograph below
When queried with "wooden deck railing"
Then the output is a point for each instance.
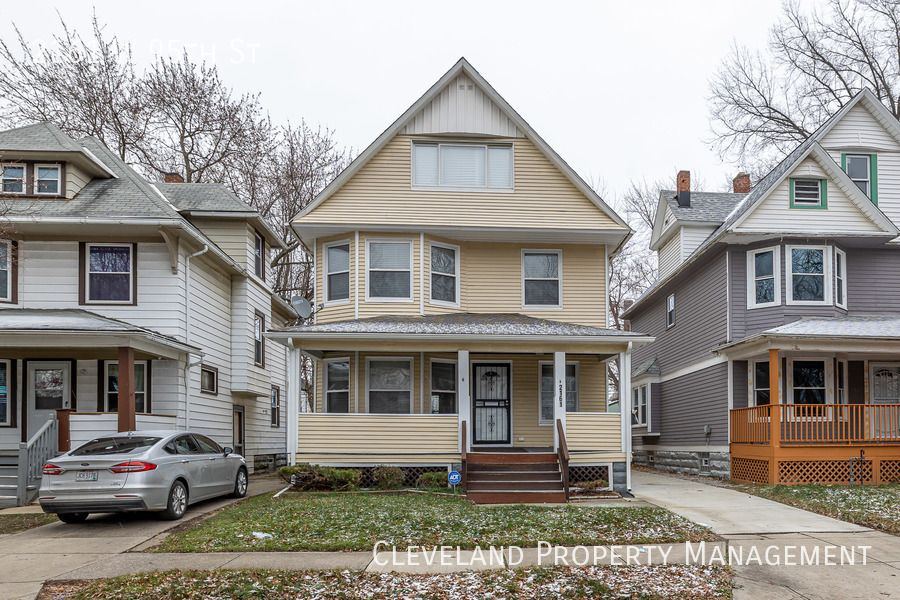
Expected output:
(563, 455)
(818, 424)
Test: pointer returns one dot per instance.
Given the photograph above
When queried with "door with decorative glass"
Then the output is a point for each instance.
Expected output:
(491, 403)
(49, 388)
(885, 390)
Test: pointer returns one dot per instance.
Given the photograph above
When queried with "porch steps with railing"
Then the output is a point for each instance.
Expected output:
(524, 477)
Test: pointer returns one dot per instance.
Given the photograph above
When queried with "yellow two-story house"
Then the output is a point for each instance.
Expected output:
(461, 306)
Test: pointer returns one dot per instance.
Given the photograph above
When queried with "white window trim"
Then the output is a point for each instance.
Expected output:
(842, 277)
(275, 406)
(559, 278)
(647, 419)
(868, 178)
(672, 310)
(369, 242)
(215, 388)
(412, 373)
(826, 276)
(262, 339)
(58, 179)
(841, 369)
(541, 365)
(87, 273)
(431, 387)
(829, 377)
(754, 385)
(325, 390)
(458, 255)
(751, 276)
(450, 188)
(261, 275)
(107, 391)
(325, 248)
(9, 391)
(24, 177)
(8, 267)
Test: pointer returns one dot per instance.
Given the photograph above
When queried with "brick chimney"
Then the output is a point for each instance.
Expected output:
(741, 183)
(173, 178)
(683, 187)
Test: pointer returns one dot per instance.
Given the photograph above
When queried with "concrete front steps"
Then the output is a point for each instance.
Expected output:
(9, 469)
(522, 477)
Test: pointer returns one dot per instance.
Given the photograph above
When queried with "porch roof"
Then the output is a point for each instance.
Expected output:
(75, 328)
(856, 333)
(464, 329)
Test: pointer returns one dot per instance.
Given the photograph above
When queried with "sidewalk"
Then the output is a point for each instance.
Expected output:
(29, 558)
(746, 521)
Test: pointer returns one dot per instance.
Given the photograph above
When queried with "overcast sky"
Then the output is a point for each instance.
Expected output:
(617, 88)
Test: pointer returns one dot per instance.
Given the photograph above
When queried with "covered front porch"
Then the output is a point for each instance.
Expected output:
(822, 406)
(514, 390)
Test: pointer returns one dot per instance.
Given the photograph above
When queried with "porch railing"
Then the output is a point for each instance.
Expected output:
(818, 424)
(563, 454)
(33, 454)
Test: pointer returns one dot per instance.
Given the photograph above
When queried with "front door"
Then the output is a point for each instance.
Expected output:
(491, 403)
(885, 389)
(49, 388)
(238, 430)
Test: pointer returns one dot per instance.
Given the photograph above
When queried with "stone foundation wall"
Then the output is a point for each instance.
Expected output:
(619, 477)
(719, 463)
(263, 463)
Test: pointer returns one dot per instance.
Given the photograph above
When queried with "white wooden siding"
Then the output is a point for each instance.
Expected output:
(669, 254)
(462, 107)
(691, 238)
(858, 129)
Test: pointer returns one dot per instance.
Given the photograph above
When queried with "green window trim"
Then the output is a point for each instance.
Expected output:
(823, 195)
(873, 173)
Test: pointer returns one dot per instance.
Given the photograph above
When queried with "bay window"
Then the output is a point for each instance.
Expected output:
(337, 385)
(809, 270)
(8, 273)
(763, 278)
(389, 271)
(337, 271)
(840, 278)
(389, 384)
(640, 402)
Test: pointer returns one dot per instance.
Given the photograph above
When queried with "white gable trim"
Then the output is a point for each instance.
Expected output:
(463, 67)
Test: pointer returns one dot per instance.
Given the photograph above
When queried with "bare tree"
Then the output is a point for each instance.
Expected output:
(762, 103)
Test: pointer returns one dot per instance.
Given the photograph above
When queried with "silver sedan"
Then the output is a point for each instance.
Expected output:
(161, 471)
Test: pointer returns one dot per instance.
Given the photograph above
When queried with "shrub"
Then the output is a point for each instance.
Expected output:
(387, 478)
(595, 485)
(315, 478)
(432, 480)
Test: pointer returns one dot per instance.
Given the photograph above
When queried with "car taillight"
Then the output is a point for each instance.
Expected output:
(133, 466)
(52, 470)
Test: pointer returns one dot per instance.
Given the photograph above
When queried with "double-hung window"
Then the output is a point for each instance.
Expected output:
(141, 404)
(809, 275)
(468, 166)
(275, 407)
(763, 277)
(808, 382)
(47, 180)
(259, 344)
(109, 273)
(209, 379)
(547, 390)
(542, 278)
(337, 271)
(445, 274)
(862, 169)
(13, 179)
(259, 256)
(389, 385)
(443, 387)
(809, 193)
(7, 271)
(389, 271)
(761, 389)
(639, 405)
(337, 385)
(5, 392)
(670, 311)
(840, 278)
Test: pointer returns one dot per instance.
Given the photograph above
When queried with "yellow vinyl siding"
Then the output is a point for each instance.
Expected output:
(336, 311)
(381, 193)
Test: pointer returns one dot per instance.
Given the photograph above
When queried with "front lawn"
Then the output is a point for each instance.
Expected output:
(12, 523)
(328, 522)
(875, 506)
(649, 583)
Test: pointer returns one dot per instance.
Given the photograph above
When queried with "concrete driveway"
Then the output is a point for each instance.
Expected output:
(749, 522)
(29, 558)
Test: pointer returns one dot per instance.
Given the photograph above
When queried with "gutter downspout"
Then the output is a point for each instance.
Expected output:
(187, 334)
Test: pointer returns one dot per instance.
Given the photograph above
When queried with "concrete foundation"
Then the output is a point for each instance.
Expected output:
(713, 464)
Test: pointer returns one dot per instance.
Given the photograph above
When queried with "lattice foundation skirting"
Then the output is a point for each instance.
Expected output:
(823, 471)
(890, 471)
(750, 470)
(411, 474)
(578, 474)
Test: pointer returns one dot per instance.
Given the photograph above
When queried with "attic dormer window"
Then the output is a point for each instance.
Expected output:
(13, 179)
(46, 180)
(462, 166)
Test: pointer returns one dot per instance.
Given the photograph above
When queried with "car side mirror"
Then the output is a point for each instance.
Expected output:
(229, 450)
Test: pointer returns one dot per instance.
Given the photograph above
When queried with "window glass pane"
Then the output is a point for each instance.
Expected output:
(840, 291)
(446, 403)
(761, 377)
(48, 180)
(443, 288)
(542, 292)
(13, 179)
(858, 167)
(809, 373)
(4, 255)
(207, 380)
(764, 264)
(443, 376)
(338, 402)
(443, 260)
(4, 392)
(765, 290)
(389, 284)
(110, 287)
(499, 171)
(389, 402)
(762, 397)
(4, 284)
(338, 375)
(547, 406)
(110, 259)
(338, 258)
(389, 255)
(339, 286)
(425, 164)
(49, 387)
(541, 266)
(463, 166)
(809, 287)
(807, 260)
(389, 375)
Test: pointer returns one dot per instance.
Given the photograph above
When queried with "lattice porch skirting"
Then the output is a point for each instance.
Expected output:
(796, 472)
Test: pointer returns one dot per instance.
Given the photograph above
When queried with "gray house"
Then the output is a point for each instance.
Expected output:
(777, 316)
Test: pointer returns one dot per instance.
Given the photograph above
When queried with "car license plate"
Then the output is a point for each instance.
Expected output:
(86, 476)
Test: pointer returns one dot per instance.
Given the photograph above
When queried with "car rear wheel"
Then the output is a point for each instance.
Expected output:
(72, 517)
(240, 484)
(178, 501)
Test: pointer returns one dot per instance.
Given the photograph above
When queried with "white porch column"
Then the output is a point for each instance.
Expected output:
(294, 385)
(559, 394)
(625, 409)
(464, 402)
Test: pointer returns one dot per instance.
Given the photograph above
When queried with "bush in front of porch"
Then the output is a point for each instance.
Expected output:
(332, 522)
